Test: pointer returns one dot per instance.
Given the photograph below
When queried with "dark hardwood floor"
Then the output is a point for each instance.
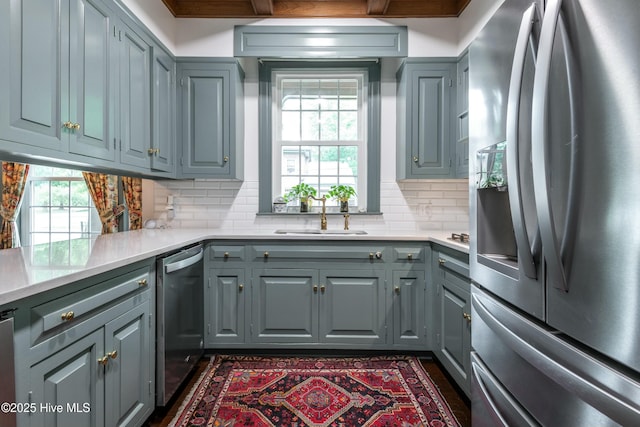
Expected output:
(458, 403)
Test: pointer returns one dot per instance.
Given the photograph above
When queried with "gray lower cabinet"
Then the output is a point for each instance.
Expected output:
(87, 356)
(212, 119)
(426, 100)
(316, 295)
(452, 343)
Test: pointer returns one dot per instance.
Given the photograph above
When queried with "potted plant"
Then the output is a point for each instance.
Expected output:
(303, 192)
(342, 193)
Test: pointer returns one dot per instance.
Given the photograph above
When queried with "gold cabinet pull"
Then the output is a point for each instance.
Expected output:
(466, 317)
(112, 354)
(143, 282)
(150, 151)
(67, 316)
(415, 159)
(266, 254)
(322, 288)
(370, 255)
(240, 287)
(409, 257)
(103, 360)
(67, 125)
(226, 254)
(226, 159)
(441, 261)
(397, 289)
(315, 289)
(76, 126)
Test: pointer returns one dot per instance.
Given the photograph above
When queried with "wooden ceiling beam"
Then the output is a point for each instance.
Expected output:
(315, 8)
(262, 7)
(377, 7)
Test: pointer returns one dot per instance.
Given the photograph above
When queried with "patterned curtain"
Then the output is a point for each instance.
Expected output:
(14, 178)
(132, 188)
(104, 193)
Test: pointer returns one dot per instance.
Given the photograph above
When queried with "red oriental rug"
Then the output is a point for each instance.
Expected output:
(239, 391)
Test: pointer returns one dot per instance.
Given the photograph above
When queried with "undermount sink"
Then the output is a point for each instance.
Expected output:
(316, 231)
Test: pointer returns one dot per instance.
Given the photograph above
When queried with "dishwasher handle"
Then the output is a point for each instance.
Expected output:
(184, 263)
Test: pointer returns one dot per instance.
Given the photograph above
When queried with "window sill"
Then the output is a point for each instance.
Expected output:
(315, 213)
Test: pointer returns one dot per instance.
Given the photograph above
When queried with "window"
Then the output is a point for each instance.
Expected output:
(319, 124)
(319, 131)
(57, 207)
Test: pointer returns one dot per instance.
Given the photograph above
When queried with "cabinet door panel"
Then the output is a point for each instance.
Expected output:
(285, 306)
(127, 388)
(135, 100)
(352, 306)
(206, 123)
(34, 93)
(91, 77)
(226, 306)
(164, 137)
(71, 376)
(409, 308)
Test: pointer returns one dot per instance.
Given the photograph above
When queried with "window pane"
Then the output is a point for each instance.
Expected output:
(349, 160)
(348, 126)
(310, 89)
(329, 161)
(40, 219)
(59, 220)
(288, 182)
(79, 220)
(35, 171)
(40, 193)
(290, 94)
(290, 160)
(329, 94)
(60, 251)
(310, 121)
(94, 218)
(60, 193)
(329, 126)
(290, 126)
(309, 160)
(79, 193)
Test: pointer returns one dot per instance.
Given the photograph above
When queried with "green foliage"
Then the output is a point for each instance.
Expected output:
(341, 192)
(301, 191)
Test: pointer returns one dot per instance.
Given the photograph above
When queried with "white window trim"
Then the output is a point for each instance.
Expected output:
(362, 77)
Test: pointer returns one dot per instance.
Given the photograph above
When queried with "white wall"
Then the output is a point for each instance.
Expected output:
(410, 205)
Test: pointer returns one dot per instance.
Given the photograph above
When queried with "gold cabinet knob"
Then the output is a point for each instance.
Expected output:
(143, 282)
(76, 126)
(112, 354)
(266, 254)
(466, 317)
(150, 151)
(103, 360)
(441, 261)
(67, 125)
(67, 316)
(315, 289)
(378, 255)
(226, 159)
(241, 287)
(409, 257)
(415, 159)
(370, 255)
(322, 288)
(226, 254)
(397, 290)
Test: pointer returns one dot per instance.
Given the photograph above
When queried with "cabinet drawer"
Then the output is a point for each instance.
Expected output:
(412, 254)
(452, 264)
(226, 253)
(317, 252)
(72, 308)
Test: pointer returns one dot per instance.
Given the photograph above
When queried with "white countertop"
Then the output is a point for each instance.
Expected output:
(26, 272)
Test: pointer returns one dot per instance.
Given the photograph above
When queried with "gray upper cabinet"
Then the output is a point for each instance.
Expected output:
(425, 105)
(163, 137)
(134, 97)
(58, 76)
(212, 126)
(462, 118)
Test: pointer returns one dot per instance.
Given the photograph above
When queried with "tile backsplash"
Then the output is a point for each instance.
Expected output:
(406, 206)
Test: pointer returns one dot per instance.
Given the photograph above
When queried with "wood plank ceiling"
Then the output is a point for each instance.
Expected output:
(315, 8)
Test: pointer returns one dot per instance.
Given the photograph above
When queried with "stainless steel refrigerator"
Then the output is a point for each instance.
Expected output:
(555, 197)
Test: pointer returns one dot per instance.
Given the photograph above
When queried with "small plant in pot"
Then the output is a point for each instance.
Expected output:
(303, 192)
(342, 193)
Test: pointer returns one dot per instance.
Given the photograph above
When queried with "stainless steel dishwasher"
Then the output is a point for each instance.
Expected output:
(180, 322)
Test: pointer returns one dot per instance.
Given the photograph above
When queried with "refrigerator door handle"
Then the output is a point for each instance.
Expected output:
(539, 154)
(525, 255)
